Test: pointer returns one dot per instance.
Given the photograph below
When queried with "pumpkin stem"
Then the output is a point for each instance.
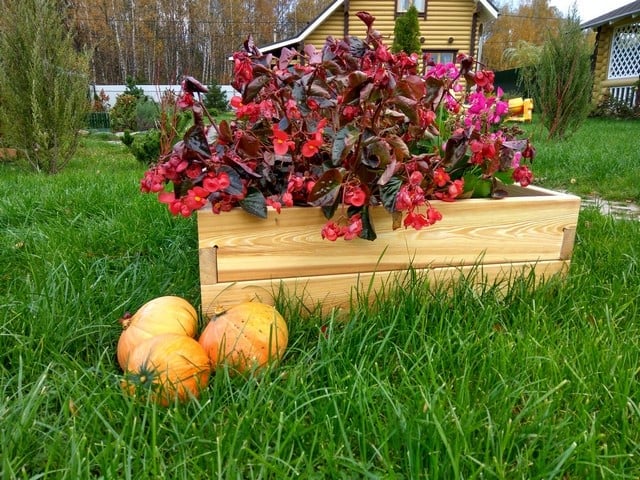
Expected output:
(125, 321)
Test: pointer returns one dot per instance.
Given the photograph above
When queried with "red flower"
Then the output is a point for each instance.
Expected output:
(416, 220)
(354, 228)
(196, 198)
(433, 215)
(311, 147)
(441, 177)
(281, 141)
(216, 182)
(522, 175)
(354, 195)
(185, 100)
(331, 231)
(454, 190)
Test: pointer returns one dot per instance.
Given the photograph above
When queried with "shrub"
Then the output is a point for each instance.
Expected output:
(613, 108)
(43, 84)
(215, 100)
(561, 81)
(144, 146)
(123, 113)
(147, 115)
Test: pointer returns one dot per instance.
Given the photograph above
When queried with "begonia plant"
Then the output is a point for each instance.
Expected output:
(346, 128)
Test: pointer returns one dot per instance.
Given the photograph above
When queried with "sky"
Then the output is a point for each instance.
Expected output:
(588, 9)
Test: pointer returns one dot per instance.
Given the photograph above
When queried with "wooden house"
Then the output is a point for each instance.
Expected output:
(447, 27)
(616, 59)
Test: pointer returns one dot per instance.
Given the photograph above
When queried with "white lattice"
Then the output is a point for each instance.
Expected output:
(625, 52)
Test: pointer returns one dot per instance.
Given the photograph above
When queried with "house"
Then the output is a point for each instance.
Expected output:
(447, 27)
(616, 59)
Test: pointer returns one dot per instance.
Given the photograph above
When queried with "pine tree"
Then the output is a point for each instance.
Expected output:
(215, 100)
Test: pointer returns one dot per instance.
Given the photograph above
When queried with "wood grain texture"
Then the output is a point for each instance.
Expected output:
(237, 250)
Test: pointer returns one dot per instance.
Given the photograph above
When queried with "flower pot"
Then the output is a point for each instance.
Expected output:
(243, 257)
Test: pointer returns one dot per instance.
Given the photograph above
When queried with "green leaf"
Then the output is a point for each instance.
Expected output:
(254, 203)
(505, 177)
(326, 189)
(475, 186)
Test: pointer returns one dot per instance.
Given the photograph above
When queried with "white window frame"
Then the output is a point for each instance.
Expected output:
(625, 41)
(403, 5)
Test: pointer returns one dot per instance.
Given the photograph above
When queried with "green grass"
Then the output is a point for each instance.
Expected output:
(537, 383)
(600, 159)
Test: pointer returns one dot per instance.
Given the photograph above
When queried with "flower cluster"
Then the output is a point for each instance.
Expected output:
(346, 128)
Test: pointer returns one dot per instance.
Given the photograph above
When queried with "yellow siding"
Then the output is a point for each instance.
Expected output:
(445, 19)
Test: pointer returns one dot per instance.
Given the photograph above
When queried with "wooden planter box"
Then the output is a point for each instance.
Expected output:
(243, 257)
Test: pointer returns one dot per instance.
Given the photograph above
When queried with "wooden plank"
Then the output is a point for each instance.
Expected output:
(523, 228)
(337, 291)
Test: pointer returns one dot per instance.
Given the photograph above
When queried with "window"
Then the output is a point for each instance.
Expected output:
(624, 60)
(403, 5)
(441, 56)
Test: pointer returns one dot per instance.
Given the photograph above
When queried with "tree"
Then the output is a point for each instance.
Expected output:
(528, 24)
(215, 100)
(562, 80)
(43, 83)
(406, 32)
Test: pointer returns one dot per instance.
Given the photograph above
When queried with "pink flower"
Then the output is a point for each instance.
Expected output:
(354, 195)
(331, 231)
(354, 228)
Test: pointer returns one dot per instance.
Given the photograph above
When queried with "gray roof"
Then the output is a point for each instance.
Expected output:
(629, 10)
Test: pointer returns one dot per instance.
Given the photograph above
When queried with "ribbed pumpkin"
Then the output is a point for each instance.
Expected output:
(167, 367)
(169, 314)
(245, 337)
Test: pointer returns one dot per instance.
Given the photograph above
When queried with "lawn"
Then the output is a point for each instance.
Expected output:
(536, 383)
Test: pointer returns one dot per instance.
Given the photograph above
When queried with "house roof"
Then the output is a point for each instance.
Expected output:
(488, 6)
(629, 10)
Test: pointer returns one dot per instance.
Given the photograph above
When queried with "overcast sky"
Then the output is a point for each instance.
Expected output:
(588, 9)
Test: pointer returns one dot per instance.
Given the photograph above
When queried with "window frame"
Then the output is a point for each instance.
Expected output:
(400, 11)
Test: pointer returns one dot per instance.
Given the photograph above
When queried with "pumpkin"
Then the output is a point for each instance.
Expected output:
(246, 337)
(166, 367)
(161, 315)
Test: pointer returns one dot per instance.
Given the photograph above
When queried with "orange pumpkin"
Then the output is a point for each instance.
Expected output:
(161, 315)
(246, 337)
(167, 367)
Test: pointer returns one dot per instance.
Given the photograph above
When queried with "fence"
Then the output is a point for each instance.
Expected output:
(626, 95)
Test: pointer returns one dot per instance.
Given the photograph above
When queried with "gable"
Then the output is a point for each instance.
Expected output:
(445, 20)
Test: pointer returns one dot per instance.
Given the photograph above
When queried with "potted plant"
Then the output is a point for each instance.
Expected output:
(353, 130)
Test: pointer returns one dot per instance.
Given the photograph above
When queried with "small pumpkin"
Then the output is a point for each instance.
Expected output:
(246, 337)
(167, 367)
(168, 314)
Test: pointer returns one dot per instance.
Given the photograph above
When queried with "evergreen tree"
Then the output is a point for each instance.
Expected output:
(406, 32)
(562, 80)
(43, 84)
(215, 100)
